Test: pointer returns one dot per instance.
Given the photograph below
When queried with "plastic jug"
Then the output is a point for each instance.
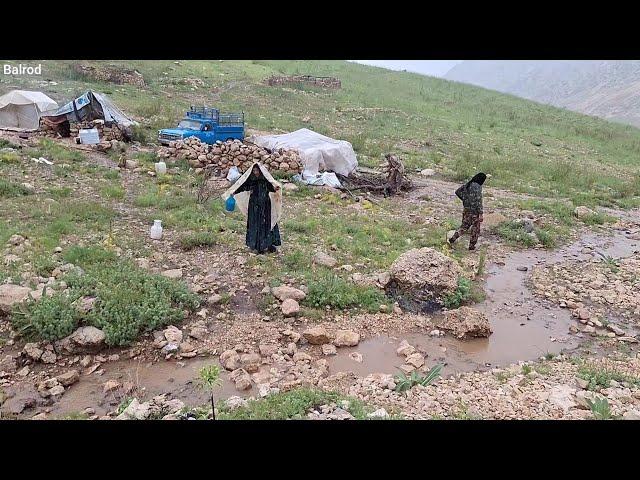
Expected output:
(156, 230)
(230, 204)
(161, 168)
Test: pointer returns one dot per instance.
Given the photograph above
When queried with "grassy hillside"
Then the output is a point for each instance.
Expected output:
(457, 129)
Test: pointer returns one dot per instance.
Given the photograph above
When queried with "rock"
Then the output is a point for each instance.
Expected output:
(522, 268)
(173, 334)
(615, 329)
(55, 391)
(11, 295)
(428, 172)
(88, 339)
(290, 187)
(562, 396)
(199, 333)
(173, 274)
(85, 361)
(346, 338)
(284, 292)
(631, 415)
(8, 364)
(230, 360)
(582, 383)
(33, 351)
(321, 258)
(135, 411)
(583, 314)
(316, 336)
(415, 360)
(583, 397)
(251, 362)
(110, 386)
(16, 240)
(491, 220)
(214, 299)
(424, 275)
(48, 357)
(85, 304)
(329, 349)
(582, 212)
(68, 378)
(589, 329)
(23, 372)
(241, 379)
(186, 347)
(355, 356)
(380, 413)
(465, 322)
(404, 350)
(299, 357)
(235, 402)
(290, 307)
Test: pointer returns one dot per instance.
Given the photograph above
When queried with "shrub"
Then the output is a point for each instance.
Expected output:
(50, 318)
(11, 189)
(331, 290)
(198, 239)
(404, 383)
(461, 295)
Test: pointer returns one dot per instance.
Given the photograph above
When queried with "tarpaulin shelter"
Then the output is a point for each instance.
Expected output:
(90, 106)
(20, 110)
(317, 152)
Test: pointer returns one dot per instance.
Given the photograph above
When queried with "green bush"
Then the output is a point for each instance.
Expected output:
(50, 318)
(86, 256)
(198, 239)
(460, 296)
(328, 289)
(11, 189)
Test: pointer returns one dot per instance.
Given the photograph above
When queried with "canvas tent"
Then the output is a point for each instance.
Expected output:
(20, 110)
(317, 152)
(87, 107)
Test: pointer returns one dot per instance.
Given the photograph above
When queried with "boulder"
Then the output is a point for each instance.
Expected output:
(173, 334)
(11, 295)
(491, 220)
(321, 258)
(89, 339)
(135, 411)
(236, 402)
(415, 360)
(251, 362)
(404, 349)
(241, 379)
(424, 276)
(8, 364)
(346, 338)
(33, 351)
(329, 349)
(316, 336)
(562, 396)
(465, 322)
(68, 378)
(284, 292)
(290, 307)
(230, 360)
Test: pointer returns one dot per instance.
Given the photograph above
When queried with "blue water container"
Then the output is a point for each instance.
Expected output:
(230, 204)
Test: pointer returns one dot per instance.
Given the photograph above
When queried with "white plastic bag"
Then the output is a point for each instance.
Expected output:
(234, 174)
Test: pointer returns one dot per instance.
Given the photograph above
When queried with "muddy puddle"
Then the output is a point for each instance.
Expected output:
(524, 327)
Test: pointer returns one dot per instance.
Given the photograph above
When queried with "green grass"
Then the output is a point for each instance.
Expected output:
(9, 158)
(294, 404)
(600, 408)
(327, 289)
(600, 377)
(12, 189)
(55, 152)
(514, 233)
(113, 192)
(198, 240)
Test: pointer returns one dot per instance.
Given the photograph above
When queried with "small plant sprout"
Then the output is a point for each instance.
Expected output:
(404, 383)
(209, 377)
(600, 408)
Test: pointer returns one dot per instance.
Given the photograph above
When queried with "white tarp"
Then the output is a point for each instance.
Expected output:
(317, 152)
(20, 110)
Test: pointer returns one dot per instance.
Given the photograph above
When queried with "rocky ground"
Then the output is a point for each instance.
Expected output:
(268, 341)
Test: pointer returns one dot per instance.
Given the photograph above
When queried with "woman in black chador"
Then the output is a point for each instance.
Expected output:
(261, 237)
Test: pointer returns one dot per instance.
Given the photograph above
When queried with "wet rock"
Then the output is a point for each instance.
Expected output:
(68, 378)
(316, 336)
(299, 357)
(241, 379)
(329, 349)
(173, 334)
(290, 307)
(235, 402)
(48, 357)
(321, 258)
(465, 322)
(110, 386)
(285, 292)
(522, 268)
(251, 362)
(416, 360)
(562, 396)
(230, 360)
(173, 274)
(11, 295)
(356, 357)
(424, 275)
(136, 411)
(33, 351)
(346, 338)
(404, 350)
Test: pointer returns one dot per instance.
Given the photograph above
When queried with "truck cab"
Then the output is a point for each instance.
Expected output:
(207, 124)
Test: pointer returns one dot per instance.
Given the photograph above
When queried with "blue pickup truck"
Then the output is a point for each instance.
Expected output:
(208, 124)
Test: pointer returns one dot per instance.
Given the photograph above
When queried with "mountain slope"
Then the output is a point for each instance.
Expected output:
(603, 88)
(456, 129)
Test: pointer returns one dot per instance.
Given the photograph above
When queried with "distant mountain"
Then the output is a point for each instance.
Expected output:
(608, 89)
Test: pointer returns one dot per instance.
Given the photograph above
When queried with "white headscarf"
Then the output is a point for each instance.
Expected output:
(242, 198)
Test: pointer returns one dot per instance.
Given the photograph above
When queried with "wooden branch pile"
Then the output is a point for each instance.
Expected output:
(390, 181)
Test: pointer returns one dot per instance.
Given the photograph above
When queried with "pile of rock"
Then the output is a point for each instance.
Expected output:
(107, 132)
(111, 74)
(324, 82)
(223, 155)
(289, 296)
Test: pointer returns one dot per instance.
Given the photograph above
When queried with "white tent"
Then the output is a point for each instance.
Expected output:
(317, 152)
(21, 110)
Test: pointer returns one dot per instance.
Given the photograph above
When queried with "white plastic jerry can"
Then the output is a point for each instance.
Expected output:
(161, 168)
(156, 230)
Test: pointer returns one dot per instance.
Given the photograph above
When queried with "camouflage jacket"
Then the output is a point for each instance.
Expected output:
(471, 196)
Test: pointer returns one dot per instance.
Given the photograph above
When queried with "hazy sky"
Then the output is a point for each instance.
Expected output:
(435, 68)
